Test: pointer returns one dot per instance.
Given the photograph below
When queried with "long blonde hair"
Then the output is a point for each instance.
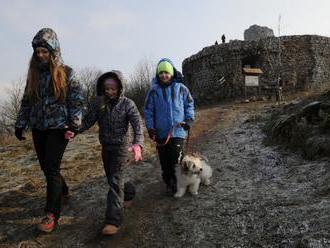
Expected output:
(59, 79)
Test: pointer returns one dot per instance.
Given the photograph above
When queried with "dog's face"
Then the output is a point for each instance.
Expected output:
(192, 164)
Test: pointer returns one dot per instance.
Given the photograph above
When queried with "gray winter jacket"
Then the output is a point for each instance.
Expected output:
(114, 116)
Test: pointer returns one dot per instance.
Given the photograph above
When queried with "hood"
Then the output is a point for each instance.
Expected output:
(111, 74)
(47, 38)
(177, 74)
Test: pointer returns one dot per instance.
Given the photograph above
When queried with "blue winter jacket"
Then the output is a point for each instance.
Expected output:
(166, 106)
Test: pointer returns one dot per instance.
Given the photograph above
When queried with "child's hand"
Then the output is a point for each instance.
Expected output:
(69, 135)
(185, 126)
(136, 149)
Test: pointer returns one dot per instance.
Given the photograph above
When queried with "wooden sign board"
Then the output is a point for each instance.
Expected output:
(251, 81)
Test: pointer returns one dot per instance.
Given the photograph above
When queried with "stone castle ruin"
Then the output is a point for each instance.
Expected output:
(256, 32)
(298, 62)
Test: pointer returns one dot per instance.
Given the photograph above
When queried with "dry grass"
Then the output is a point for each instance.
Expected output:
(7, 139)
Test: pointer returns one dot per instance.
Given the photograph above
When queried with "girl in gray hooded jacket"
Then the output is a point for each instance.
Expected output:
(114, 112)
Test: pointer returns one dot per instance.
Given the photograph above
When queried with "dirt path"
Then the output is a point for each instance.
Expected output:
(260, 197)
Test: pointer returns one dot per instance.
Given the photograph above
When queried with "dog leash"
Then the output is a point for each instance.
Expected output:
(186, 149)
(169, 136)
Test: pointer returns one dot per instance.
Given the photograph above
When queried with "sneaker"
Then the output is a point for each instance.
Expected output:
(171, 188)
(110, 229)
(48, 223)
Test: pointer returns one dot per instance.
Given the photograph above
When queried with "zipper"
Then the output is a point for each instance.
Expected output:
(110, 120)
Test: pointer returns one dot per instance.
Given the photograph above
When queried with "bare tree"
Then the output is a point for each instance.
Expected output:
(139, 82)
(10, 107)
(88, 77)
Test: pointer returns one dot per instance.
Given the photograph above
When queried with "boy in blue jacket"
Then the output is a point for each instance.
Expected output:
(169, 108)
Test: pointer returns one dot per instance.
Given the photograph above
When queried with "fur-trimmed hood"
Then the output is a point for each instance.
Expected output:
(111, 74)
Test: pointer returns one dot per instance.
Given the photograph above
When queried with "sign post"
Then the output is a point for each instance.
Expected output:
(251, 79)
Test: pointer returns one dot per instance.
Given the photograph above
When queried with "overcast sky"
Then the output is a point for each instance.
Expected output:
(118, 34)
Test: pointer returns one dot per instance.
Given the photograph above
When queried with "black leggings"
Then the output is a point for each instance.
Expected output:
(169, 155)
(50, 146)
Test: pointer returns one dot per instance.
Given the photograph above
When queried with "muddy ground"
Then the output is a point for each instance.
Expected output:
(260, 196)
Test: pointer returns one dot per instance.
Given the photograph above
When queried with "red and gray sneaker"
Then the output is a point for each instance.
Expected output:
(48, 223)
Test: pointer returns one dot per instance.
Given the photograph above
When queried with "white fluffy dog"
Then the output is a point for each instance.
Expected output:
(192, 171)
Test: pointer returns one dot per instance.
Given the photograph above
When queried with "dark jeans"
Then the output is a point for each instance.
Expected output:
(114, 158)
(50, 146)
(169, 155)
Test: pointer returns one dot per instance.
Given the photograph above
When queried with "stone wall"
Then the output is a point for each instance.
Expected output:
(304, 63)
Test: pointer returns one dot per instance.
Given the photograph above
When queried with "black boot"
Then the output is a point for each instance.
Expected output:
(171, 187)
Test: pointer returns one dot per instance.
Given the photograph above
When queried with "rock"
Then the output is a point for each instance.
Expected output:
(283, 124)
(317, 146)
(303, 127)
(308, 242)
(261, 98)
(256, 32)
(290, 104)
(311, 111)
(325, 107)
(253, 99)
(311, 108)
(323, 115)
(325, 124)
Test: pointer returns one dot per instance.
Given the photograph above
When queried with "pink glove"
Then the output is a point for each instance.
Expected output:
(136, 149)
(69, 135)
